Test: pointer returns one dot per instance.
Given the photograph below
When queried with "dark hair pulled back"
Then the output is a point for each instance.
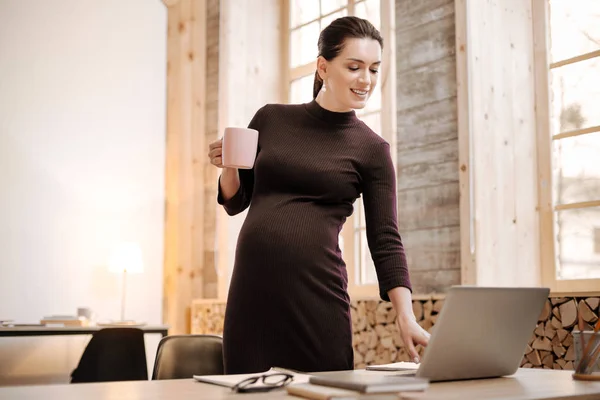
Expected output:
(333, 38)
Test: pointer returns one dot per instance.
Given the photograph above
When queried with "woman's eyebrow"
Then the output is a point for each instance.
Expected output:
(362, 62)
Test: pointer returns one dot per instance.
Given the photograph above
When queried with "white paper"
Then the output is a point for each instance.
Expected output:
(399, 366)
(231, 380)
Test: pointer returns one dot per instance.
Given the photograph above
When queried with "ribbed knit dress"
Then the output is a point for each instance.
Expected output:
(288, 304)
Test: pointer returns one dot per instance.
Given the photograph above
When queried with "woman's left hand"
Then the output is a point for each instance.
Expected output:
(412, 334)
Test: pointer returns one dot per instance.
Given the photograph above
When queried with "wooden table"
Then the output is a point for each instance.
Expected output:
(72, 330)
(526, 384)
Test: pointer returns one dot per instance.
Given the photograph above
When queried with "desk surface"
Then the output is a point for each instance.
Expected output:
(526, 384)
(71, 330)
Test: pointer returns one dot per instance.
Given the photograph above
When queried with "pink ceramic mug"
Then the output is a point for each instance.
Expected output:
(239, 147)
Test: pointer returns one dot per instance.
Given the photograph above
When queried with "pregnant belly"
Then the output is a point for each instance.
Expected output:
(290, 234)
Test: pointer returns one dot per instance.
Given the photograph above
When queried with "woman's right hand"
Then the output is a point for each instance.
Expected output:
(215, 151)
(229, 180)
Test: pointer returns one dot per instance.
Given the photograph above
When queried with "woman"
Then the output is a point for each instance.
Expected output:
(288, 304)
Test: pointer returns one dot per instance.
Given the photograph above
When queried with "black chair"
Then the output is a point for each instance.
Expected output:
(182, 356)
(113, 354)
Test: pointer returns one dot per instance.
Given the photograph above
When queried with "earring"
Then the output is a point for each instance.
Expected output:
(323, 88)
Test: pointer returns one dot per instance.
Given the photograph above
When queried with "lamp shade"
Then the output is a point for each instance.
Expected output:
(126, 257)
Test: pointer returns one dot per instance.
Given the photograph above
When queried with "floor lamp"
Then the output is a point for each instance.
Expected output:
(126, 258)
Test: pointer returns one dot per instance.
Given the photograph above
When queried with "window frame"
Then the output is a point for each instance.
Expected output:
(547, 208)
(387, 82)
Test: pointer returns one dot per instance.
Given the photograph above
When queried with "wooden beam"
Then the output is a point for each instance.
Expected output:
(212, 88)
(330, 13)
(302, 71)
(497, 144)
(198, 160)
(222, 260)
(388, 77)
(170, 3)
(184, 244)
(576, 132)
(285, 51)
(582, 204)
(544, 142)
(465, 177)
(573, 60)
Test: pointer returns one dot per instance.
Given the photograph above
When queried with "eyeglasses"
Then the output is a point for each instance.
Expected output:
(269, 382)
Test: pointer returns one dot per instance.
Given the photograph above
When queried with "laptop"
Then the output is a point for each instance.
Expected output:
(481, 332)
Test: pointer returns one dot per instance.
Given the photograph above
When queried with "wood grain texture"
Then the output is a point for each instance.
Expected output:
(427, 143)
(211, 133)
(184, 219)
(413, 14)
(497, 142)
(435, 249)
(430, 123)
(428, 207)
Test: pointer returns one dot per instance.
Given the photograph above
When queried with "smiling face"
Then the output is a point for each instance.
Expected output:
(351, 77)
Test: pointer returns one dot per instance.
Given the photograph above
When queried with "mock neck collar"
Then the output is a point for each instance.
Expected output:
(332, 117)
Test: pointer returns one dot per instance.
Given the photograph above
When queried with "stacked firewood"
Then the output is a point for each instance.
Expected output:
(376, 336)
(551, 345)
(207, 317)
(376, 339)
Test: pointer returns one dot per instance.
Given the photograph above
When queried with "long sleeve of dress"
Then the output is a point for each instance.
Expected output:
(241, 200)
(385, 244)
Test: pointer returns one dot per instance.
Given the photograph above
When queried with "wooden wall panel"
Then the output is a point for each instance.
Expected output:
(427, 143)
(184, 225)
(429, 207)
(432, 123)
(497, 142)
(415, 14)
(210, 277)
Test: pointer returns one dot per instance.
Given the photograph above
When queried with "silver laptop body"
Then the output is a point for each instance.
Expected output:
(481, 332)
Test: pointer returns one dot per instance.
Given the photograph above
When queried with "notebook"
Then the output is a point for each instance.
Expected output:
(319, 392)
(233, 379)
(370, 383)
(398, 366)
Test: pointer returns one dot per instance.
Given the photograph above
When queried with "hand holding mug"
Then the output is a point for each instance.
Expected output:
(215, 153)
(237, 149)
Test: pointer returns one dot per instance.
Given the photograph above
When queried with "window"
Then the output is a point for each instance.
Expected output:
(574, 134)
(305, 21)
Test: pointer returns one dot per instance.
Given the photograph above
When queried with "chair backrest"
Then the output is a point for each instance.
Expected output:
(113, 354)
(182, 356)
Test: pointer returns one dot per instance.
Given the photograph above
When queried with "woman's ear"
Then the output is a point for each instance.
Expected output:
(322, 67)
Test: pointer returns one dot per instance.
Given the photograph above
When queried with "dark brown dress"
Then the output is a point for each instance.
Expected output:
(288, 304)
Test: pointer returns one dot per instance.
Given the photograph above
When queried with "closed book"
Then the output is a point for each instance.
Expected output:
(319, 392)
(370, 382)
(398, 366)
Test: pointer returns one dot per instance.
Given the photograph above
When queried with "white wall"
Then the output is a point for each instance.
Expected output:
(250, 76)
(82, 144)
